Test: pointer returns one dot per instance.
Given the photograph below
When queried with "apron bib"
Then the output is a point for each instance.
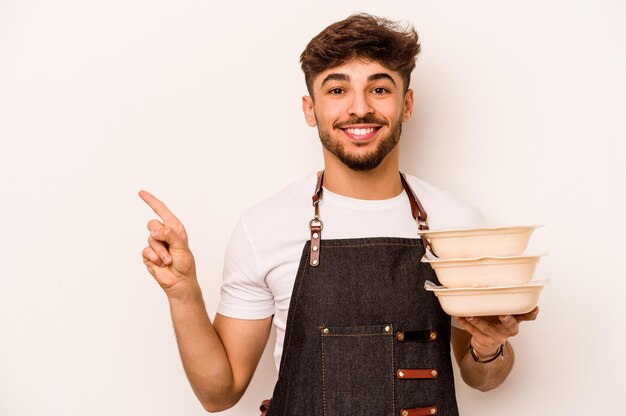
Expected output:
(363, 337)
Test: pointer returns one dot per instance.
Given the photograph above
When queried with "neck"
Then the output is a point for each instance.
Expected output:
(383, 182)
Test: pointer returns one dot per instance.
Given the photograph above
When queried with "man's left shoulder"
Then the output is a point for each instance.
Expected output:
(444, 209)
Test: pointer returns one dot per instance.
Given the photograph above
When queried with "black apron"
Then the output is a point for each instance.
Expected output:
(363, 337)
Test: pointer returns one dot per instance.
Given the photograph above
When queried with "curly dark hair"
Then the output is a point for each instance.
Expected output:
(362, 36)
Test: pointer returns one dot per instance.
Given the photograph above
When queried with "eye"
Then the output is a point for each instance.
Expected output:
(380, 90)
(336, 91)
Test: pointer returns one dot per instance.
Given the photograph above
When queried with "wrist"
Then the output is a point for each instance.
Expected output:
(486, 356)
(184, 293)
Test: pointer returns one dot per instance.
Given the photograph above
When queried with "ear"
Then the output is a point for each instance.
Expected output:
(309, 112)
(408, 106)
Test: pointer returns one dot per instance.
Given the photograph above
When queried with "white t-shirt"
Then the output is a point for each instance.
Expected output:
(264, 252)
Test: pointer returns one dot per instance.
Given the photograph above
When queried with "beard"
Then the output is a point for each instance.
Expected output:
(369, 160)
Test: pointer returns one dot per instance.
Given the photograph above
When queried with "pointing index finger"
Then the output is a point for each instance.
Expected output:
(158, 207)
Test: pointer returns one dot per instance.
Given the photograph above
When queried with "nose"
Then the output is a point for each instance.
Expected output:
(360, 105)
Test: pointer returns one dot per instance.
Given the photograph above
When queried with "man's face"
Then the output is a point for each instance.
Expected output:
(358, 108)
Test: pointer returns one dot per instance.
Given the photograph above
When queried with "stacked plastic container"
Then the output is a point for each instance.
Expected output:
(483, 271)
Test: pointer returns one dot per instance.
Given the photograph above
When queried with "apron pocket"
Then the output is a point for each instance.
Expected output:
(358, 370)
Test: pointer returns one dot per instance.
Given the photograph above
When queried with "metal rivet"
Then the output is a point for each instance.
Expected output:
(405, 413)
(326, 330)
(315, 235)
(434, 373)
(314, 262)
(400, 336)
(387, 328)
(314, 248)
(400, 374)
(433, 411)
(433, 335)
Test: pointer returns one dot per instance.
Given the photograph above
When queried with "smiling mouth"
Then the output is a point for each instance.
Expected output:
(360, 133)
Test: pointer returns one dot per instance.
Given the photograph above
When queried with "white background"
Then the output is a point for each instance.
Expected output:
(519, 110)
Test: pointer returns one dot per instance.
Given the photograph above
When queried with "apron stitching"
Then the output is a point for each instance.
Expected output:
(393, 391)
(326, 245)
(354, 335)
(323, 379)
(393, 382)
(287, 363)
(295, 307)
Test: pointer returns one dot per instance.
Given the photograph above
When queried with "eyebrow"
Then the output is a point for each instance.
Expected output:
(381, 75)
(345, 77)
(336, 77)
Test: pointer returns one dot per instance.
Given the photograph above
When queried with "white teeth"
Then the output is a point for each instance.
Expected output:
(360, 132)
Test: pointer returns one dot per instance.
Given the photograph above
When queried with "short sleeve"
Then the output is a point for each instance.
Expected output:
(244, 293)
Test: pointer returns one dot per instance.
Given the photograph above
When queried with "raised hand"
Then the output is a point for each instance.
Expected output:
(167, 255)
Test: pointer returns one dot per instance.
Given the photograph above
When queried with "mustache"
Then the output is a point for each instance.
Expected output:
(368, 119)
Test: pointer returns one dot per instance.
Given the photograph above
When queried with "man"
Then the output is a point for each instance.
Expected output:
(356, 331)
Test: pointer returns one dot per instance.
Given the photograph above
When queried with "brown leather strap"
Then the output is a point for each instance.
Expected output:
(316, 225)
(416, 336)
(413, 373)
(420, 411)
(418, 211)
(318, 188)
(316, 236)
(265, 404)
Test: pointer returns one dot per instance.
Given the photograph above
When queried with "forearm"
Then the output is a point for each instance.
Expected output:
(487, 376)
(210, 362)
(203, 355)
